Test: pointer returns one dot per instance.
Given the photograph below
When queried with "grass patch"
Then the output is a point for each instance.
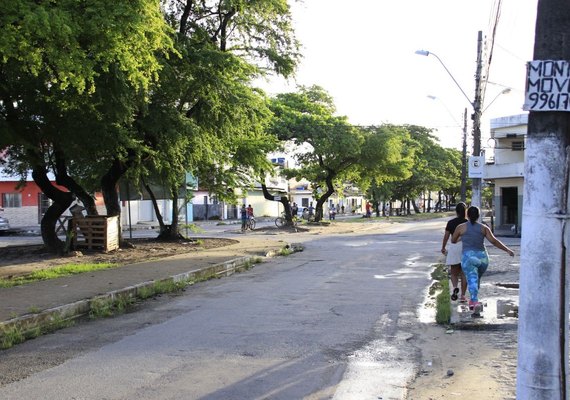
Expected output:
(285, 251)
(11, 337)
(442, 299)
(250, 263)
(191, 227)
(53, 273)
(443, 304)
(33, 310)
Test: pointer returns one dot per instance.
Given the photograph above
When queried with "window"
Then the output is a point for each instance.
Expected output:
(305, 202)
(517, 145)
(11, 200)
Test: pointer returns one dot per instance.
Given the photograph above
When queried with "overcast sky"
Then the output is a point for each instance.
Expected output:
(363, 53)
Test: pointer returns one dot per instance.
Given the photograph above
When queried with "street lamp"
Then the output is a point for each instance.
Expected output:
(427, 53)
(504, 91)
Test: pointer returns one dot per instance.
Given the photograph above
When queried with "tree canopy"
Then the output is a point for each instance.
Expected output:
(334, 151)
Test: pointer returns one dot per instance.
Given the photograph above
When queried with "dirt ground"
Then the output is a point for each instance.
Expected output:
(21, 260)
(460, 364)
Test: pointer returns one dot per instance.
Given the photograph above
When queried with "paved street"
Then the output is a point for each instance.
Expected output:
(331, 322)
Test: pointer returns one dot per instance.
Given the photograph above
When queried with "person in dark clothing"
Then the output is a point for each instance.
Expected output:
(453, 253)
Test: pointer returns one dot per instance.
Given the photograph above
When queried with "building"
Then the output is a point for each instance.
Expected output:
(505, 172)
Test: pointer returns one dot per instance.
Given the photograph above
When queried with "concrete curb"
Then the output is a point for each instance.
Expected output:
(32, 325)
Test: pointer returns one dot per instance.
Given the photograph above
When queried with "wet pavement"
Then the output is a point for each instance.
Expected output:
(499, 292)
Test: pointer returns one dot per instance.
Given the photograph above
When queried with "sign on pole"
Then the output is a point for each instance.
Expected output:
(476, 166)
(548, 86)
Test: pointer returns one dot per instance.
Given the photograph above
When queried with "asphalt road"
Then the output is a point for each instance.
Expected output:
(334, 321)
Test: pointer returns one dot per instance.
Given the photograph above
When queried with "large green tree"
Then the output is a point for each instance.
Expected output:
(331, 150)
(55, 60)
(434, 168)
(207, 92)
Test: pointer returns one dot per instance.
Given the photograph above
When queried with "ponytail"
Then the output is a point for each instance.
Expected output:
(473, 214)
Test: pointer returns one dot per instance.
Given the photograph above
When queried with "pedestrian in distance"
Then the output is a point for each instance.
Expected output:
(249, 212)
(311, 210)
(294, 209)
(474, 257)
(243, 213)
(332, 212)
(452, 251)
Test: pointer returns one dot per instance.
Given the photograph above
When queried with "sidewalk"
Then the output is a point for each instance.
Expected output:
(27, 307)
(499, 291)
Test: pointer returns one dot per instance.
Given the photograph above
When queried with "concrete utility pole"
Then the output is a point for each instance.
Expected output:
(464, 160)
(542, 371)
(477, 104)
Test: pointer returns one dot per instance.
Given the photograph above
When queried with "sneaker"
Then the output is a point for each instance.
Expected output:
(472, 304)
(477, 308)
(454, 294)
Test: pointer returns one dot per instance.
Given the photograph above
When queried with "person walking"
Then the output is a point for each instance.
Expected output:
(311, 210)
(294, 209)
(474, 257)
(452, 251)
(243, 212)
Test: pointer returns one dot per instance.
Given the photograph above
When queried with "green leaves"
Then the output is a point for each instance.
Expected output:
(71, 43)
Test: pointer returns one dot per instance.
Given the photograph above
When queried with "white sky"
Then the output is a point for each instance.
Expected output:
(363, 53)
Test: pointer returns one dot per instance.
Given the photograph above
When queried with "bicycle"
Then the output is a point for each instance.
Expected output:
(282, 221)
(250, 224)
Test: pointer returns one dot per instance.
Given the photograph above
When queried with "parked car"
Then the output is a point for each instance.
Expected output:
(4, 224)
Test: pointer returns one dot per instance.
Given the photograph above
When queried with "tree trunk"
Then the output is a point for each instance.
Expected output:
(416, 208)
(61, 202)
(542, 371)
(63, 179)
(109, 188)
(282, 199)
(159, 218)
(170, 232)
(319, 214)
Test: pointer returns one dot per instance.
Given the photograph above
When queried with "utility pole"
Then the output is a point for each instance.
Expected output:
(477, 103)
(464, 159)
(542, 370)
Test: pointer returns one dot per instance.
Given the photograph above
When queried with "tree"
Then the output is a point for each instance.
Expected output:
(335, 150)
(220, 136)
(434, 168)
(54, 57)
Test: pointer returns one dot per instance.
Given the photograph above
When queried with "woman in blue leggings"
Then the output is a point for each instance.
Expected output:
(474, 257)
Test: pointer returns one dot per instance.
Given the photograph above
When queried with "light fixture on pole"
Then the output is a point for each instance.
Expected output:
(427, 53)
(504, 91)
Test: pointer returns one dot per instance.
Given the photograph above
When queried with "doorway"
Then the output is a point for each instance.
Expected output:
(509, 206)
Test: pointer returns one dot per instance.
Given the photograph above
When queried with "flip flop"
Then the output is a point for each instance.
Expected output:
(454, 295)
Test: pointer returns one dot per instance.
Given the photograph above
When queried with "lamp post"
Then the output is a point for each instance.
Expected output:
(428, 53)
(504, 91)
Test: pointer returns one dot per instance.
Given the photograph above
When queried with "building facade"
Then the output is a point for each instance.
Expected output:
(505, 172)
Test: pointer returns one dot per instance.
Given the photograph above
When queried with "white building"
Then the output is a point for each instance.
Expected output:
(506, 170)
